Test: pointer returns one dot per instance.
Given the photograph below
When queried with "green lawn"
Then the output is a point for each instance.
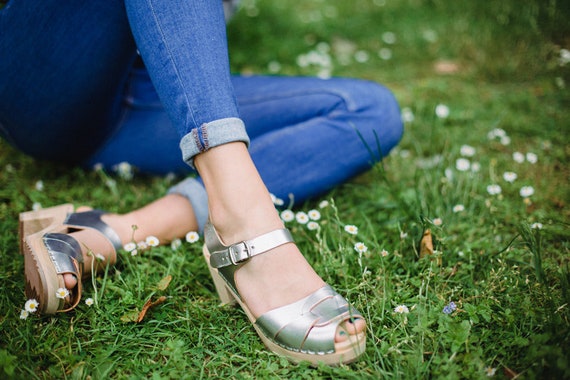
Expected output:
(487, 174)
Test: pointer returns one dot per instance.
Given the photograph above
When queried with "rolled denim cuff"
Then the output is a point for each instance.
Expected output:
(210, 135)
(196, 194)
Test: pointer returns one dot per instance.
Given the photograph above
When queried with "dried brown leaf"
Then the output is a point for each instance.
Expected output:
(148, 304)
(426, 244)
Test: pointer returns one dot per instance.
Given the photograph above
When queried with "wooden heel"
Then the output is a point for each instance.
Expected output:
(226, 296)
(35, 221)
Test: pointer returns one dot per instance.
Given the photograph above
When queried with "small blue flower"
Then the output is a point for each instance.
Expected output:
(450, 308)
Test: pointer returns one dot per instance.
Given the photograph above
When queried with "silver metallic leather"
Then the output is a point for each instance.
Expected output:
(223, 256)
(308, 325)
(92, 219)
(63, 249)
(228, 258)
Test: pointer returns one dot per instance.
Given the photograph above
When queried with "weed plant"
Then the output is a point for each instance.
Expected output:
(483, 166)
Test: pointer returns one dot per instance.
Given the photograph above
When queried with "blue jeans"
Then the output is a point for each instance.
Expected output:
(71, 91)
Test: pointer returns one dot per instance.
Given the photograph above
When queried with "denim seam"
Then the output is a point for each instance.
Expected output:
(196, 139)
(200, 136)
(171, 59)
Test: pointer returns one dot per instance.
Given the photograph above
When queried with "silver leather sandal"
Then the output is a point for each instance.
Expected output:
(49, 253)
(302, 331)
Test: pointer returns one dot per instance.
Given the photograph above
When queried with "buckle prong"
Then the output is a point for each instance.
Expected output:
(236, 252)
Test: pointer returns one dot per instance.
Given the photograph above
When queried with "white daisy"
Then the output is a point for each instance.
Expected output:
(351, 229)
(494, 189)
(361, 56)
(312, 225)
(274, 67)
(497, 132)
(531, 157)
(152, 241)
(518, 157)
(302, 217)
(526, 191)
(314, 214)
(389, 37)
(276, 201)
(458, 208)
(192, 237)
(407, 115)
(467, 151)
(89, 301)
(401, 309)
(124, 170)
(510, 176)
(462, 164)
(385, 54)
(490, 371)
(31, 306)
(61, 293)
(442, 111)
(287, 215)
(360, 247)
(130, 246)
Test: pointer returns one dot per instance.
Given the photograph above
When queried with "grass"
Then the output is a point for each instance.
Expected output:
(495, 66)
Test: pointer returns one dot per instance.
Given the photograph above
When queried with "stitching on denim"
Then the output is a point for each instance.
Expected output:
(197, 142)
(204, 137)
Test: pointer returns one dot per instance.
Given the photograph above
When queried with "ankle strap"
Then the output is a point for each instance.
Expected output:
(223, 256)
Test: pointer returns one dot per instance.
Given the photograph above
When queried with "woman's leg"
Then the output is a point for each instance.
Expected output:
(63, 66)
(167, 218)
(307, 135)
(183, 45)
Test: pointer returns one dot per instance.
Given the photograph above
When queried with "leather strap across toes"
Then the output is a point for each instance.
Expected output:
(310, 324)
(65, 253)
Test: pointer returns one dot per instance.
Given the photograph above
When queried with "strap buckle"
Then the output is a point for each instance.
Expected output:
(239, 252)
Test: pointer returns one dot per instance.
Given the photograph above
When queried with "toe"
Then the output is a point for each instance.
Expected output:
(70, 281)
(350, 327)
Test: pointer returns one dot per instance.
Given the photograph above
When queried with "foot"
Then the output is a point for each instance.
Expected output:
(241, 209)
(167, 218)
